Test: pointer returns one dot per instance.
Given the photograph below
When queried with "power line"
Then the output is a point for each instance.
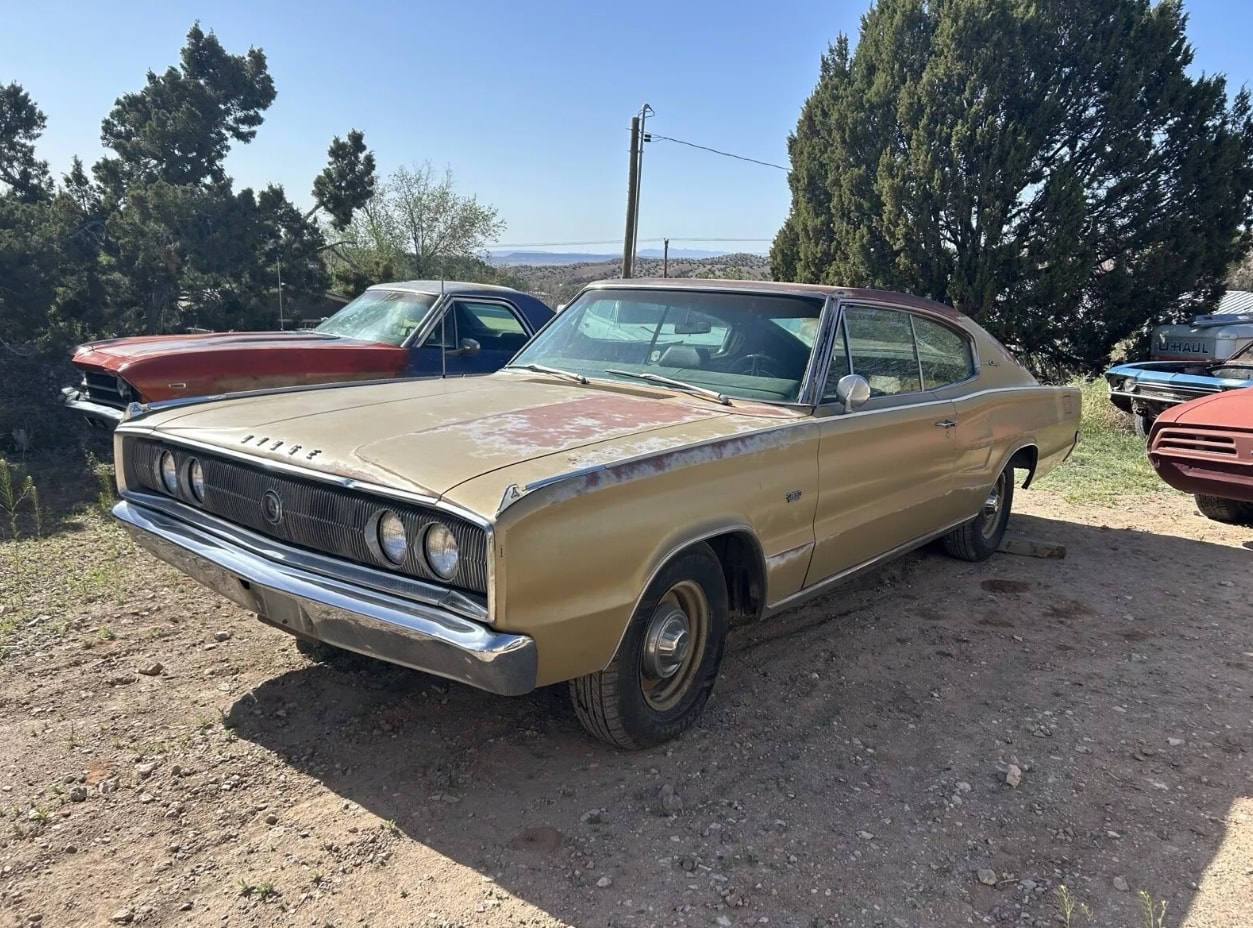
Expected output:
(726, 154)
(618, 241)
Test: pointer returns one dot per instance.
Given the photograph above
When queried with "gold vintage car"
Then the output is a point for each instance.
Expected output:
(664, 459)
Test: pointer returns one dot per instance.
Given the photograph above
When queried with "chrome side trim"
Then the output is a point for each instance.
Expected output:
(824, 586)
(343, 614)
(256, 545)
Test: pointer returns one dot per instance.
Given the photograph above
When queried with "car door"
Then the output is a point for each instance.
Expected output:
(472, 336)
(885, 468)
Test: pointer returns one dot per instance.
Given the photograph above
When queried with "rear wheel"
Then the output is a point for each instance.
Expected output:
(660, 679)
(979, 538)
(1219, 509)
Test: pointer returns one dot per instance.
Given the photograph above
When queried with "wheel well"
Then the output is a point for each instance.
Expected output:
(745, 571)
(1026, 459)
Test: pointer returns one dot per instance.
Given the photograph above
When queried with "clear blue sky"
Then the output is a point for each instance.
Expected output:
(529, 103)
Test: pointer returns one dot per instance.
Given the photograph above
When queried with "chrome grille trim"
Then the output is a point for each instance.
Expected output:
(331, 518)
(469, 605)
(102, 387)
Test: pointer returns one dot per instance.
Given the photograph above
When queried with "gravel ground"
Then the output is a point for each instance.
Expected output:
(935, 744)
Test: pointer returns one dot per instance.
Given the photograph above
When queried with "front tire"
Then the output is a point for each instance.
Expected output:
(978, 539)
(1141, 424)
(1231, 511)
(665, 667)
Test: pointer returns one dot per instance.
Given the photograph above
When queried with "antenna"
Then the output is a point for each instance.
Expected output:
(443, 333)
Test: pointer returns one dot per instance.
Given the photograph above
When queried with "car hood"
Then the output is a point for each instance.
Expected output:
(1182, 370)
(116, 353)
(429, 436)
(1233, 410)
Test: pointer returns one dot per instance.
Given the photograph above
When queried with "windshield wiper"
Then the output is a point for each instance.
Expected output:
(545, 369)
(670, 381)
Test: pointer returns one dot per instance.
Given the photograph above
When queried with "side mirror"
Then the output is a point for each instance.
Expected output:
(852, 391)
(469, 348)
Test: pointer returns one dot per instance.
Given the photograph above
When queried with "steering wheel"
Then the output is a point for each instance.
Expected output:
(756, 365)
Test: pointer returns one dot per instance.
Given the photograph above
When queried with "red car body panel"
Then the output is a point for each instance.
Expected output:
(161, 367)
(1205, 446)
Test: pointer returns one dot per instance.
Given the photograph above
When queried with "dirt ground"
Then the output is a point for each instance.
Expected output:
(936, 744)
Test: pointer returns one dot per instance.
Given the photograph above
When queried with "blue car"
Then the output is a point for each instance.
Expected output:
(1146, 389)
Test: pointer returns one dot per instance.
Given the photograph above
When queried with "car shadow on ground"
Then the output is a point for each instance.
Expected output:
(933, 743)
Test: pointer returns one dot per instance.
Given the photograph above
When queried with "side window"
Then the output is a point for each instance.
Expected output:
(943, 353)
(881, 342)
(839, 364)
(494, 326)
(445, 331)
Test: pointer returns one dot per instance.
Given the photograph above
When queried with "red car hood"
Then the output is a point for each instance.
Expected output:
(114, 353)
(1233, 409)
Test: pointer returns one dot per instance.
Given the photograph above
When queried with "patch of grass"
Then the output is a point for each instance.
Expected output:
(1152, 914)
(19, 502)
(1110, 462)
(59, 575)
(264, 890)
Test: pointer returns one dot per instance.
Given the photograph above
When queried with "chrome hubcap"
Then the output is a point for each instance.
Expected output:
(667, 642)
(991, 516)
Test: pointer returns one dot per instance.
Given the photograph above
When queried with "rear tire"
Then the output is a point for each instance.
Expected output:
(1220, 509)
(979, 538)
(665, 667)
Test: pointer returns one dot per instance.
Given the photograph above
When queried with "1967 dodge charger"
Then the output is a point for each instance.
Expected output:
(664, 459)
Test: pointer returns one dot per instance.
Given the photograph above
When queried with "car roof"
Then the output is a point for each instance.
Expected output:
(767, 287)
(442, 286)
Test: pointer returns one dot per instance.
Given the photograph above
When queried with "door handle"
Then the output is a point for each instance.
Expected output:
(946, 423)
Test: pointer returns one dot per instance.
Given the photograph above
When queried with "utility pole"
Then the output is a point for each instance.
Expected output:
(633, 186)
(665, 258)
(645, 112)
(279, 267)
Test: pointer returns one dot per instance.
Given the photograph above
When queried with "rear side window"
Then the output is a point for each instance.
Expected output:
(881, 343)
(943, 354)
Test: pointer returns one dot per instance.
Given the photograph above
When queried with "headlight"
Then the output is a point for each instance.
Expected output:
(195, 480)
(441, 550)
(169, 473)
(1129, 385)
(391, 536)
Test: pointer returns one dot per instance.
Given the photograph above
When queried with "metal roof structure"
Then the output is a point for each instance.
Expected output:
(1235, 302)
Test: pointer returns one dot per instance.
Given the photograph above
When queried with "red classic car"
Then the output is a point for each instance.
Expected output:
(1205, 447)
(413, 329)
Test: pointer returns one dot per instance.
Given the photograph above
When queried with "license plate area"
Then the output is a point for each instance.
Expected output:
(281, 609)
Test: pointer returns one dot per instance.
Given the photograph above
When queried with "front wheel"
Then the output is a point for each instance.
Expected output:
(978, 539)
(1220, 509)
(660, 679)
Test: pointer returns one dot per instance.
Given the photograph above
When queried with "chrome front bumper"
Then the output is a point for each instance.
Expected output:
(311, 605)
(96, 413)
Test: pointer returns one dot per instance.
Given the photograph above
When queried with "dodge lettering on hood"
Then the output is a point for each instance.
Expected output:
(664, 459)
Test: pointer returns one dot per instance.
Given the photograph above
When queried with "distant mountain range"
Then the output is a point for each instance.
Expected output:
(511, 258)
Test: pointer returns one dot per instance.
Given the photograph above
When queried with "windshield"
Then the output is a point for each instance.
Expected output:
(741, 344)
(388, 316)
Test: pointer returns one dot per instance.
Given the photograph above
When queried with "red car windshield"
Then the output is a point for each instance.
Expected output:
(387, 316)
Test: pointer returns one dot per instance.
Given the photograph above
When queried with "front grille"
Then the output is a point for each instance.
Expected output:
(315, 516)
(107, 389)
(1204, 441)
